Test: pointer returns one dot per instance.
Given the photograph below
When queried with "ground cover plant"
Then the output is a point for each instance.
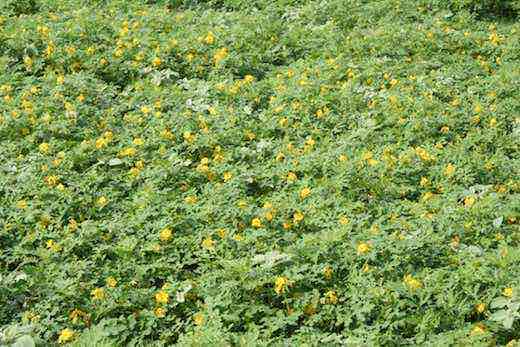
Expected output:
(251, 173)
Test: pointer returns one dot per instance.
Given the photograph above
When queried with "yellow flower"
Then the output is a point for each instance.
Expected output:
(280, 285)
(156, 62)
(469, 201)
(128, 152)
(291, 177)
(372, 162)
(198, 318)
(423, 154)
(343, 220)
(478, 329)
(44, 147)
(77, 314)
(111, 282)
(507, 292)
(21, 204)
(98, 293)
(343, 157)
(424, 182)
(248, 78)
(165, 234)
(412, 283)
(51, 180)
(161, 297)
(73, 225)
(208, 243)
(191, 199)
(297, 217)
(138, 141)
(160, 312)
(449, 170)
(102, 201)
(481, 307)
(101, 142)
(210, 38)
(188, 136)
(53, 246)
(66, 335)
(227, 176)
(305, 192)
(220, 55)
(327, 272)
(256, 222)
(363, 248)
(331, 297)
(222, 233)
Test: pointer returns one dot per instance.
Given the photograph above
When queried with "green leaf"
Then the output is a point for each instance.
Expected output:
(24, 341)
(499, 302)
(508, 322)
(499, 316)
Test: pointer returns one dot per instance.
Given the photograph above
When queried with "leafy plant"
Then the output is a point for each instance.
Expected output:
(508, 310)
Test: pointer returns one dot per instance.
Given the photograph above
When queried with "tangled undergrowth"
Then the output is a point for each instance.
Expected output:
(259, 172)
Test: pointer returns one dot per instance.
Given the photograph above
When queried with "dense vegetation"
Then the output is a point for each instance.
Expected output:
(242, 172)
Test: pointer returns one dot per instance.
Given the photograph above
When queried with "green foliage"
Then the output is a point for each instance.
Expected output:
(19, 7)
(485, 7)
(259, 173)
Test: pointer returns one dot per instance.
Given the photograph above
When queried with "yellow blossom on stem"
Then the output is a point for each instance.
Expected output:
(331, 297)
(102, 201)
(161, 297)
(165, 234)
(469, 201)
(44, 147)
(411, 282)
(478, 329)
(480, 307)
(98, 293)
(160, 312)
(297, 217)
(449, 170)
(291, 177)
(256, 222)
(66, 335)
(111, 282)
(305, 192)
(363, 248)
(208, 243)
(198, 318)
(210, 38)
(327, 272)
(227, 176)
(156, 62)
(281, 284)
(507, 292)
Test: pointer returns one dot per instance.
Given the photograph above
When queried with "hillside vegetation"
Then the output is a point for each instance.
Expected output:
(254, 172)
